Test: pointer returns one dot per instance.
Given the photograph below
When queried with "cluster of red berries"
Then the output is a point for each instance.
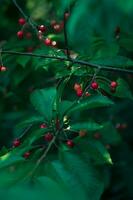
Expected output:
(3, 68)
(41, 29)
(94, 85)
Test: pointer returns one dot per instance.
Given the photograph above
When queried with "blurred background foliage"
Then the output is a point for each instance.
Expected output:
(91, 32)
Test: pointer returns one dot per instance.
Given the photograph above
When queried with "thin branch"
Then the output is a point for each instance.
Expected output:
(66, 38)
(74, 61)
(20, 9)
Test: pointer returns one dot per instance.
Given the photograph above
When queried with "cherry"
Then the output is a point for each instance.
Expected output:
(28, 35)
(16, 143)
(87, 94)
(82, 133)
(107, 146)
(30, 49)
(113, 90)
(54, 44)
(79, 92)
(20, 34)
(3, 68)
(21, 21)
(57, 27)
(42, 28)
(47, 41)
(94, 85)
(43, 126)
(26, 154)
(113, 84)
(67, 14)
(48, 137)
(97, 136)
(53, 22)
(70, 143)
(77, 86)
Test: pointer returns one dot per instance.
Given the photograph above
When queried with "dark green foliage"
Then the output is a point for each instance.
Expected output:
(38, 99)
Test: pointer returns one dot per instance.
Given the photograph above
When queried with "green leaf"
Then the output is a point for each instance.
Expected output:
(90, 102)
(94, 149)
(125, 6)
(66, 179)
(43, 101)
(9, 159)
(23, 60)
(123, 90)
(116, 61)
(109, 134)
(85, 173)
(89, 126)
(60, 91)
(64, 106)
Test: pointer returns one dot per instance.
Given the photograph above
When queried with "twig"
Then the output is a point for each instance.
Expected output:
(66, 38)
(74, 61)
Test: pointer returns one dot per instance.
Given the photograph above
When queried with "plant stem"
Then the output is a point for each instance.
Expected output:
(74, 61)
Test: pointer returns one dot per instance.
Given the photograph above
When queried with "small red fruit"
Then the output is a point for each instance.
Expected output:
(3, 68)
(87, 94)
(20, 34)
(53, 22)
(21, 21)
(82, 133)
(113, 84)
(47, 42)
(43, 126)
(42, 28)
(70, 143)
(26, 155)
(54, 44)
(67, 14)
(16, 143)
(28, 35)
(94, 85)
(97, 136)
(57, 27)
(79, 92)
(48, 137)
(77, 86)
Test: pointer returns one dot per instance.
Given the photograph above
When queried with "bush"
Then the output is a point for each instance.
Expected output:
(66, 99)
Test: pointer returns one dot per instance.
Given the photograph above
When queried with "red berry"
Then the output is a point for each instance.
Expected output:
(57, 27)
(26, 154)
(30, 49)
(53, 22)
(79, 92)
(113, 90)
(47, 41)
(21, 21)
(107, 146)
(42, 28)
(28, 35)
(94, 85)
(3, 68)
(20, 34)
(48, 137)
(16, 143)
(113, 84)
(87, 94)
(54, 44)
(82, 133)
(67, 14)
(97, 136)
(70, 143)
(43, 126)
(77, 86)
